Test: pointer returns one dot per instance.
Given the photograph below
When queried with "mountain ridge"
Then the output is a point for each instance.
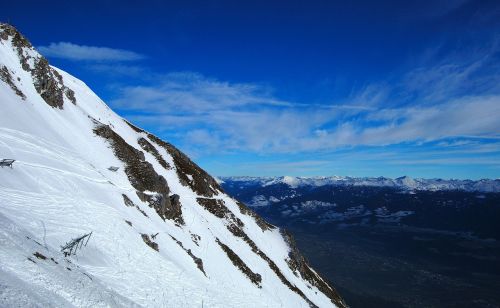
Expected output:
(163, 231)
(404, 182)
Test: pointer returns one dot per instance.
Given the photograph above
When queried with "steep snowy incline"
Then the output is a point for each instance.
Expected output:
(163, 231)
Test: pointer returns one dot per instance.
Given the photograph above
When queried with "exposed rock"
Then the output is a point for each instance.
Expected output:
(197, 261)
(141, 211)
(298, 264)
(149, 242)
(196, 239)
(135, 128)
(148, 147)
(235, 226)
(127, 201)
(142, 175)
(190, 174)
(47, 81)
(6, 77)
(219, 209)
(46, 85)
(40, 256)
(175, 210)
(236, 260)
(264, 225)
(238, 231)
(18, 40)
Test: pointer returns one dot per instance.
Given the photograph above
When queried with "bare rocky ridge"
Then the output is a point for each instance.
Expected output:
(47, 81)
(189, 173)
(149, 242)
(298, 264)
(148, 147)
(142, 176)
(245, 210)
(6, 77)
(235, 226)
(197, 261)
(254, 277)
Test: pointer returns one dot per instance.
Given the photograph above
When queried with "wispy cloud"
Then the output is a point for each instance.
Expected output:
(74, 52)
(443, 110)
(223, 116)
(194, 93)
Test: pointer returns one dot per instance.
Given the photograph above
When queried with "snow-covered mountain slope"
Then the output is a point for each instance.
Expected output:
(163, 231)
(404, 183)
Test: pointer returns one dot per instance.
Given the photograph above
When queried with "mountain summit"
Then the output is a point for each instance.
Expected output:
(151, 228)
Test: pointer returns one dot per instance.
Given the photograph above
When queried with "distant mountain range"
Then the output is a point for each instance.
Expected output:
(389, 242)
(403, 183)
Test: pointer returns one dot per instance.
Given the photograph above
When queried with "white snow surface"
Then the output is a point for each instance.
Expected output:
(405, 182)
(60, 188)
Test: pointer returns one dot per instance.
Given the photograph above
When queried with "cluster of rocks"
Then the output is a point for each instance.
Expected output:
(150, 186)
(47, 81)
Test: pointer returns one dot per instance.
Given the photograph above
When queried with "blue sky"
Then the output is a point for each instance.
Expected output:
(362, 88)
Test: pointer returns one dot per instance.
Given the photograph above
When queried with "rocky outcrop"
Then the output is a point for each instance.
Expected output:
(130, 203)
(196, 260)
(6, 77)
(235, 226)
(142, 175)
(149, 242)
(190, 174)
(263, 225)
(148, 147)
(47, 81)
(236, 260)
(298, 264)
(219, 209)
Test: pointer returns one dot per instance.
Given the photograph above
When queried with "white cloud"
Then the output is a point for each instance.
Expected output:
(193, 93)
(70, 51)
(455, 97)
(222, 116)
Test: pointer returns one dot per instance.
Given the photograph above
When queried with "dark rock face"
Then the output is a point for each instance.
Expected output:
(47, 86)
(189, 173)
(238, 231)
(235, 226)
(298, 264)
(202, 183)
(135, 128)
(264, 225)
(130, 203)
(142, 175)
(197, 261)
(6, 77)
(148, 147)
(18, 40)
(219, 209)
(175, 210)
(236, 260)
(47, 81)
(127, 201)
(149, 242)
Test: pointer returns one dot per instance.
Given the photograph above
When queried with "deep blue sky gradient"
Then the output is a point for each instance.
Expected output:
(380, 63)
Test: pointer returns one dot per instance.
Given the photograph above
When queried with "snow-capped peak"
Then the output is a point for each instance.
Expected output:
(405, 182)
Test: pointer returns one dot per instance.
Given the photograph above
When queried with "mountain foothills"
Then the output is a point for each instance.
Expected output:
(161, 231)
